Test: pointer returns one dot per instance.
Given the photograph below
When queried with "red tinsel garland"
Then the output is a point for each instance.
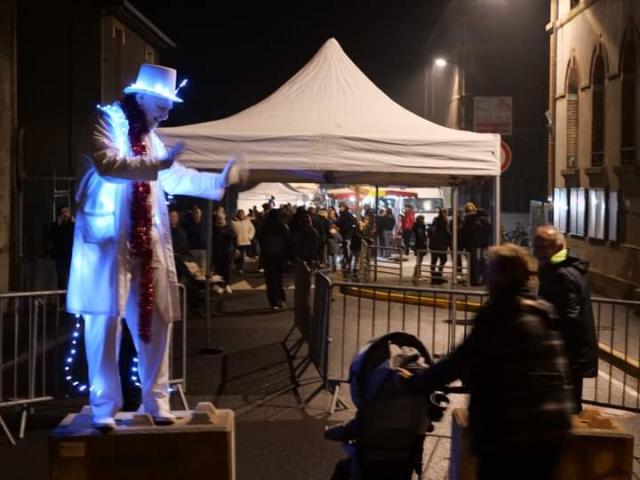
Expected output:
(140, 247)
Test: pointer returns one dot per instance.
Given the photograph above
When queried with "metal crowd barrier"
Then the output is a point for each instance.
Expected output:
(385, 262)
(424, 271)
(347, 315)
(35, 337)
(617, 384)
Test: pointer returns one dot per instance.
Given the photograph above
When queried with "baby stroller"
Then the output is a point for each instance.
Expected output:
(385, 439)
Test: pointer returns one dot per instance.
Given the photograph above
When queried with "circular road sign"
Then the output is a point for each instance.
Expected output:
(505, 156)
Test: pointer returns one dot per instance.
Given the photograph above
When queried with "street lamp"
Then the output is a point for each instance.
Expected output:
(460, 93)
(440, 62)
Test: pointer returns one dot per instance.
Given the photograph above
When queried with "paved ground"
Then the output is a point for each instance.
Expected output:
(276, 437)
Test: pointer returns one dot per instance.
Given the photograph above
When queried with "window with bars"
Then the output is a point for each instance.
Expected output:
(572, 115)
(628, 110)
(597, 112)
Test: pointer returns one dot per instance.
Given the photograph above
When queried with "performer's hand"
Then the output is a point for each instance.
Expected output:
(172, 154)
(235, 171)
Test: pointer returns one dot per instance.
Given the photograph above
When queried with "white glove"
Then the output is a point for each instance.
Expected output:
(235, 171)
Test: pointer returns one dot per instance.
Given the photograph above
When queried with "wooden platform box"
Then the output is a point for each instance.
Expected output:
(598, 449)
(197, 446)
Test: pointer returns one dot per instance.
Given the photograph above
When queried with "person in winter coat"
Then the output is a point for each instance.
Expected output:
(122, 264)
(347, 226)
(407, 219)
(514, 366)
(333, 246)
(61, 241)
(420, 245)
(245, 231)
(196, 229)
(318, 224)
(224, 241)
(305, 240)
(274, 240)
(475, 236)
(563, 283)
(439, 242)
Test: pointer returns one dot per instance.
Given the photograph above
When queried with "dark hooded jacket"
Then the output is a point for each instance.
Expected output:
(475, 231)
(565, 286)
(514, 365)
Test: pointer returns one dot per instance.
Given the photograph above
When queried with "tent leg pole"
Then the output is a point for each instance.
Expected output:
(454, 234)
(376, 242)
(497, 221)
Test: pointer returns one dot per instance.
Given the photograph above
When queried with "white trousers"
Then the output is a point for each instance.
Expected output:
(102, 344)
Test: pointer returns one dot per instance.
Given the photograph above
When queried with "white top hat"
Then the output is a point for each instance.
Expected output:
(156, 80)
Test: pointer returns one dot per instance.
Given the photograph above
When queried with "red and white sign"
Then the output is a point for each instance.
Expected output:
(505, 156)
(492, 115)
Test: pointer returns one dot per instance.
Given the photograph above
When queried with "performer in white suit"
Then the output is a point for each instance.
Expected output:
(122, 265)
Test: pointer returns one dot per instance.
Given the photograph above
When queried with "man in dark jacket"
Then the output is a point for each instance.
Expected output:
(563, 283)
(275, 249)
(347, 227)
(475, 237)
(439, 242)
(61, 240)
(514, 366)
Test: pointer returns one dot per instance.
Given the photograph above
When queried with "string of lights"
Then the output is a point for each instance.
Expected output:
(72, 355)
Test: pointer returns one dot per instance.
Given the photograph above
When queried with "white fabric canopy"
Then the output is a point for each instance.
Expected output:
(330, 123)
(262, 192)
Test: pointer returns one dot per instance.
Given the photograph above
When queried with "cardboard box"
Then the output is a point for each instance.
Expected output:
(196, 446)
(598, 449)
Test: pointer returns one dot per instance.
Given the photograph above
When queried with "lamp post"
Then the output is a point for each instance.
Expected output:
(461, 90)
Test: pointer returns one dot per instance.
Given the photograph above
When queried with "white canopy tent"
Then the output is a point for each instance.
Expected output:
(263, 192)
(330, 123)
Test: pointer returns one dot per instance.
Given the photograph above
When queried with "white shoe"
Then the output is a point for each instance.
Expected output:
(218, 289)
(164, 418)
(104, 424)
(227, 289)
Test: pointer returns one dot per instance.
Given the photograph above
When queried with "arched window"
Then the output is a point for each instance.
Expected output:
(572, 114)
(597, 112)
(628, 130)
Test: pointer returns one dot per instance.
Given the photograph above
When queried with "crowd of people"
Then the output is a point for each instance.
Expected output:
(321, 236)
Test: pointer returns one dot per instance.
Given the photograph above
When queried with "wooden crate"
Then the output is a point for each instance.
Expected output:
(598, 449)
(187, 449)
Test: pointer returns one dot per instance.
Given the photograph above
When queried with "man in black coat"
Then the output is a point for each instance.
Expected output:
(563, 283)
(61, 240)
(514, 366)
(347, 227)
(475, 237)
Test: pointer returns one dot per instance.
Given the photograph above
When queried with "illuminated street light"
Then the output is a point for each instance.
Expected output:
(440, 62)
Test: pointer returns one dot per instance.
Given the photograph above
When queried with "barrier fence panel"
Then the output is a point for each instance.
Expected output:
(348, 315)
(36, 351)
(427, 270)
(318, 337)
(302, 297)
(31, 330)
(385, 262)
(361, 312)
(618, 333)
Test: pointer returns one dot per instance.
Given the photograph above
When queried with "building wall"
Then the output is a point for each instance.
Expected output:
(122, 53)
(67, 64)
(592, 26)
(7, 134)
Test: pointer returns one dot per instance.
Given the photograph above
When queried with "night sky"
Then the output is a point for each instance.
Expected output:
(237, 53)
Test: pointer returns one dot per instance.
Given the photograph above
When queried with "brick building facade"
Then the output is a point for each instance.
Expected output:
(594, 163)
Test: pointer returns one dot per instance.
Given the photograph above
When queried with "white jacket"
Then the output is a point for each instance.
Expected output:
(100, 266)
(244, 231)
